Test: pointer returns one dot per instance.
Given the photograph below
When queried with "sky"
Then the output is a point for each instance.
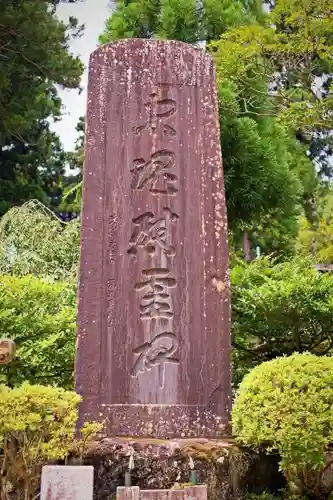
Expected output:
(93, 13)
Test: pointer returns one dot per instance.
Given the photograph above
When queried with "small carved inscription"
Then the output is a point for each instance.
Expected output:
(59, 491)
(157, 301)
(112, 240)
(158, 352)
(155, 174)
(150, 232)
(158, 109)
(111, 298)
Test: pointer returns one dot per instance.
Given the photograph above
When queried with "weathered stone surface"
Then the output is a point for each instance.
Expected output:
(67, 482)
(132, 493)
(188, 493)
(7, 351)
(154, 343)
(228, 472)
(161, 495)
(195, 492)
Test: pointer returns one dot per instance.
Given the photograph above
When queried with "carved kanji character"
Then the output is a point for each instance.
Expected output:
(158, 352)
(158, 110)
(155, 174)
(156, 302)
(150, 232)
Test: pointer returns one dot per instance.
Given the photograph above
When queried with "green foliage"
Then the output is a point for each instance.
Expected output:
(259, 179)
(34, 241)
(35, 56)
(266, 495)
(261, 158)
(278, 309)
(76, 158)
(35, 59)
(296, 57)
(177, 19)
(316, 237)
(275, 234)
(285, 405)
(266, 172)
(72, 196)
(88, 431)
(39, 258)
(303, 50)
(34, 169)
(40, 317)
(37, 424)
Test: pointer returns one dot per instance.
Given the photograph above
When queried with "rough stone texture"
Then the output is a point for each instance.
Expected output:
(228, 471)
(67, 482)
(132, 493)
(187, 493)
(195, 492)
(153, 348)
(7, 351)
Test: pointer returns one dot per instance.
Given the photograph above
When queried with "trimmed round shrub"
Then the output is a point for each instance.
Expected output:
(37, 424)
(286, 406)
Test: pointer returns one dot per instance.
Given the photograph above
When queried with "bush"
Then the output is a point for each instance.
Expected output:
(34, 241)
(37, 424)
(285, 405)
(39, 316)
(280, 309)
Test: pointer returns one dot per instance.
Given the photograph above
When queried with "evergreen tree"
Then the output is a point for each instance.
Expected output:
(71, 200)
(34, 60)
(266, 169)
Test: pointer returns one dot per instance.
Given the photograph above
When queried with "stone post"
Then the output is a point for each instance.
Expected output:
(153, 347)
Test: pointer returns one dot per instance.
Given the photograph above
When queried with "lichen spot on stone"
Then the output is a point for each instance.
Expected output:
(219, 285)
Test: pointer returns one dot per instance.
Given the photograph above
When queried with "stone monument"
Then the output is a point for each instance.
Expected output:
(67, 482)
(153, 346)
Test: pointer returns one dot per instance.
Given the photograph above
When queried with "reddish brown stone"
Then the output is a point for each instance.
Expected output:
(153, 348)
(130, 493)
(162, 495)
(196, 492)
(7, 351)
(188, 493)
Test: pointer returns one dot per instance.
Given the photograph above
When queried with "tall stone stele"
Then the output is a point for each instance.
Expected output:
(153, 347)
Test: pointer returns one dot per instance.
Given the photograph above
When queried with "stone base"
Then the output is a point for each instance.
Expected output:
(186, 493)
(227, 470)
(160, 421)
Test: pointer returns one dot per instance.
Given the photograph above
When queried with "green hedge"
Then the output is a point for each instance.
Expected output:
(39, 316)
(286, 405)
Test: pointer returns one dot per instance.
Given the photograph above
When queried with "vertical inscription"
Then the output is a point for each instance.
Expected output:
(156, 175)
(111, 283)
(153, 246)
(112, 245)
(159, 109)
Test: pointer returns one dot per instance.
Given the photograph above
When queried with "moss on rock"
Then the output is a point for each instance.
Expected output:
(228, 470)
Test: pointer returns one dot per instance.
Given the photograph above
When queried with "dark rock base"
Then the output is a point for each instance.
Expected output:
(228, 471)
